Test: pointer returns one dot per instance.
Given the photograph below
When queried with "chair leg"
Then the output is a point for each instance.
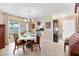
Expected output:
(39, 47)
(64, 48)
(14, 50)
(17, 47)
(23, 49)
(32, 48)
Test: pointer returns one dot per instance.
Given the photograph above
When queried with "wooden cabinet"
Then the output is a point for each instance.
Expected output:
(55, 30)
(2, 36)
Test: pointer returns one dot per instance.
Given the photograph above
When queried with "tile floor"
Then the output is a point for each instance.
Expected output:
(47, 49)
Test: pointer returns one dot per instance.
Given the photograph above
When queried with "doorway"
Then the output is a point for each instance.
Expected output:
(68, 28)
(16, 27)
(13, 27)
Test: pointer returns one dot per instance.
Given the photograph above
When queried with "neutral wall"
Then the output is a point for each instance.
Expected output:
(1, 18)
(5, 18)
(48, 32)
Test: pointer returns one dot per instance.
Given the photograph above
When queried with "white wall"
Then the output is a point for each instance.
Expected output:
(48, 32)
(1, 18)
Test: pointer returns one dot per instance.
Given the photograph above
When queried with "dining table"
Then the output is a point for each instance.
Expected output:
(26, 37)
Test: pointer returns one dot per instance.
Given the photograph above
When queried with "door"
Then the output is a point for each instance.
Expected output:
(2, 37)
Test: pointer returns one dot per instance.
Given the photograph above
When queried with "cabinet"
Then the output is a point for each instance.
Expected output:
(2, 36)
(55, 30)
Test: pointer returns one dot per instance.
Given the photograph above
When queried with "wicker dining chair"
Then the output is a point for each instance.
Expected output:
(66, 43)
(18, 43)
(37, 43)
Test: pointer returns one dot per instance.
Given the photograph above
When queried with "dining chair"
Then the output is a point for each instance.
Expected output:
(18, 43)
(66, 43)
(37, 43)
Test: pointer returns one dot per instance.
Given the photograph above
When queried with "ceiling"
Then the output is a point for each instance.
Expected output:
(38, 9)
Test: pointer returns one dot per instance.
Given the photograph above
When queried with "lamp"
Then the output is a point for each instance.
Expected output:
(56, 29)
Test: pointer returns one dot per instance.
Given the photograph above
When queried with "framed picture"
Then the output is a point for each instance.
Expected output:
(77, 8)
(48, 24)
(33, 26)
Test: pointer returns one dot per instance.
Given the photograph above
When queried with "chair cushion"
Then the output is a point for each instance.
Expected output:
(19, 42)
(74, 49)
(66, 42)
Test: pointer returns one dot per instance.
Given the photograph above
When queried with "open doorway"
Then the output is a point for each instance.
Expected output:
(13, 27)
(16, 27)
(68, 28)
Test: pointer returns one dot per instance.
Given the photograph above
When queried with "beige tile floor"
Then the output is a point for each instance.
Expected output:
(47, 49)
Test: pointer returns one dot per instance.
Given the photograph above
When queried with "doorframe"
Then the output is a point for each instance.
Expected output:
(8, 28)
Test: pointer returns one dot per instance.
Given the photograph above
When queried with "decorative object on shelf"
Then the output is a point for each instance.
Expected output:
(48, 24)
(41, 29)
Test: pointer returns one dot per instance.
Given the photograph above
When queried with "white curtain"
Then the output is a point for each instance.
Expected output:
(77, 22)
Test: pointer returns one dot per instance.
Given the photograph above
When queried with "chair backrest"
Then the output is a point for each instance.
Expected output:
(66, 41)
(38, 40)
(15, 36)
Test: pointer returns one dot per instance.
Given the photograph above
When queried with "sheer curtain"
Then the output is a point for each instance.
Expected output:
(77, 22)
(77, 16)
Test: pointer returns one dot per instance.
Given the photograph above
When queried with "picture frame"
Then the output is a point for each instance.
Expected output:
(33, 26)
(48, 24)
